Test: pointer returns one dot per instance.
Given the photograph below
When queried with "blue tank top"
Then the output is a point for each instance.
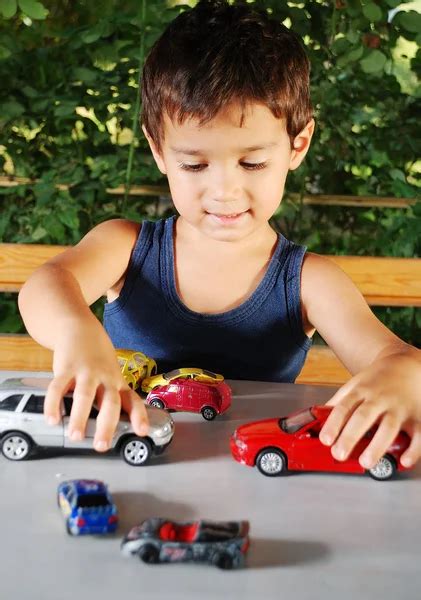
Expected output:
(262, 339)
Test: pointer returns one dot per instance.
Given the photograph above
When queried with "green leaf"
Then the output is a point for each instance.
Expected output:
(4, 52)
(397, 174)
(411, 20)
(84, 74)
(8, 8)
(393, 3)
(39, 233)
(11, 110)
(372, 12)
(33, 9)
(93, 34)
(373, 62)
(65, 110)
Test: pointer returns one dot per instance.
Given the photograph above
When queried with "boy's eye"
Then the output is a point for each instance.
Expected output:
(200, 167)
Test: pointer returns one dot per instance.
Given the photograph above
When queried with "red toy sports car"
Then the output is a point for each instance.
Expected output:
(209, 399)
(292, 443)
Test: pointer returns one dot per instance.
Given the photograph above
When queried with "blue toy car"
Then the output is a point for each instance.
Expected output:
(87, 507)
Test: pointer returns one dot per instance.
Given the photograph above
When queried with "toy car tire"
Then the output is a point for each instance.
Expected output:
(271, 462)
(384, 469)
(157, 402)
(208, 413)
(16, 445)
(223, 560)
(69, 529)
(149, 554)
(136, 451)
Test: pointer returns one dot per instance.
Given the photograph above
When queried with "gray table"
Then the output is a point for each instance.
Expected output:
(312, 535)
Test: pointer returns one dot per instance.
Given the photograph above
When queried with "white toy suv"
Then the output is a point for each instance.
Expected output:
(23, 426)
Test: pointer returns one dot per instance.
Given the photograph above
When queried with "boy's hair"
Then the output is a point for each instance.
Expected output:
(218, 53)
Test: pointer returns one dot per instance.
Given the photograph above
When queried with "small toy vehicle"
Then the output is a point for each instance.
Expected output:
(292, 443)
(23, 426)
(87, 507)
(135, 366)
(149, 383)
(209, 399)
(223, 544)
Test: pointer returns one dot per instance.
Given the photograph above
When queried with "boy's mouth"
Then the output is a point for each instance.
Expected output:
(227, 218)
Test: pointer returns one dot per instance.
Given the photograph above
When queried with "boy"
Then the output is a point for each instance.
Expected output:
(227, 114)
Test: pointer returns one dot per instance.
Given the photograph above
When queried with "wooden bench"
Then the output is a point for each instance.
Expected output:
(382, 281)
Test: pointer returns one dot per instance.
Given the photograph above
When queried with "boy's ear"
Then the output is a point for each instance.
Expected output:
(157, 156)
(301, 145)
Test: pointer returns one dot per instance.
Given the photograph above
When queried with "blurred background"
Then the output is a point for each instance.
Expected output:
(72, 154)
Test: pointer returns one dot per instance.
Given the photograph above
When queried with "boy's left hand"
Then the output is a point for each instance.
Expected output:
(387, 392)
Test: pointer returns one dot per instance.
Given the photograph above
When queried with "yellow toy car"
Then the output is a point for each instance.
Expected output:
(135, 366)
(149, 383)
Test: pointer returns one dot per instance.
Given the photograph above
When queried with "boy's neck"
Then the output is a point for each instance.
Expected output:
(260, 240)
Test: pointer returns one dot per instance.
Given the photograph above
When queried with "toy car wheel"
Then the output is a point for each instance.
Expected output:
(69, 529)
(157, 402)
(223, 560)
(136, 451)
(271, 462)
(384, 469)
(208, 413)
(149, 554)
(16, 446)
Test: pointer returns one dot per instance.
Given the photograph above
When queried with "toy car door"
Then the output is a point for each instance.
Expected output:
(31, 420)
(309, 454)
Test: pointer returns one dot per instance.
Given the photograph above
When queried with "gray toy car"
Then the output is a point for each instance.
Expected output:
(23, 426)
(220, 543)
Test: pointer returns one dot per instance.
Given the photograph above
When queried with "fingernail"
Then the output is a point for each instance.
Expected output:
(366, 461)
(101, 446)
(76, 435)
(406, 462)
(339, 453)
(52, 420)
(326, 439)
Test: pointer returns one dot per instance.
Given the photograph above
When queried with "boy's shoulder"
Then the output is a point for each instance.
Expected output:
(323, 280)
(328, 294)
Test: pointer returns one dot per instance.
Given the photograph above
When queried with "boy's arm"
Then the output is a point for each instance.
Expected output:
(54, 304)
(386, 371)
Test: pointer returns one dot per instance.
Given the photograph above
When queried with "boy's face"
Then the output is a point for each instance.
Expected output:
(226, 181)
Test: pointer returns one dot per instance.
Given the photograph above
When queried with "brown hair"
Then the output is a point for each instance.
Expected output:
(217, 53)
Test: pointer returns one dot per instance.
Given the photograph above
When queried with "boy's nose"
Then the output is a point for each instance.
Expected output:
(226, 187)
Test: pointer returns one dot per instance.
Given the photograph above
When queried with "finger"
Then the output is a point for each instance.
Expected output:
(363, 417)
(83, 398)
(337, 419)
(413, 452)
(382, 439)
(343, 392)
(57, 388)
(107, 419)
(136, 409)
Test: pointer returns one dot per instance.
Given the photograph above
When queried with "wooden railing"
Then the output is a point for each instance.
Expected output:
(382, 281)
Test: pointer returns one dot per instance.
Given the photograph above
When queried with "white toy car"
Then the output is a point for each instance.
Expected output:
(23, 426)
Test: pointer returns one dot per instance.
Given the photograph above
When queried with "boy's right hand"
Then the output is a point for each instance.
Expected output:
(86, 362)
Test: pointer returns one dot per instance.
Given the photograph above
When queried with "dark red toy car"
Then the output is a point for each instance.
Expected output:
(209, 399)
(292, 443)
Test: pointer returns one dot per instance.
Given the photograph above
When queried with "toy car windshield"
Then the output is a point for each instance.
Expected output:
(90, 500)
(172, 374)
(295, 422)
(215, 532)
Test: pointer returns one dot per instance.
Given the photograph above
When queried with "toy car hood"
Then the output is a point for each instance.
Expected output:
(259, 428)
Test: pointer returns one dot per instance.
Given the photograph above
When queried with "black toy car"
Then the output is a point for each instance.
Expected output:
(223, 544)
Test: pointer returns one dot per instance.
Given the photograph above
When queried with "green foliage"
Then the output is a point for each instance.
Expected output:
(70, 75)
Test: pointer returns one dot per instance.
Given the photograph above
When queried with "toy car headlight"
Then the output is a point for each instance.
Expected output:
(240, 444)
(165, 430)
